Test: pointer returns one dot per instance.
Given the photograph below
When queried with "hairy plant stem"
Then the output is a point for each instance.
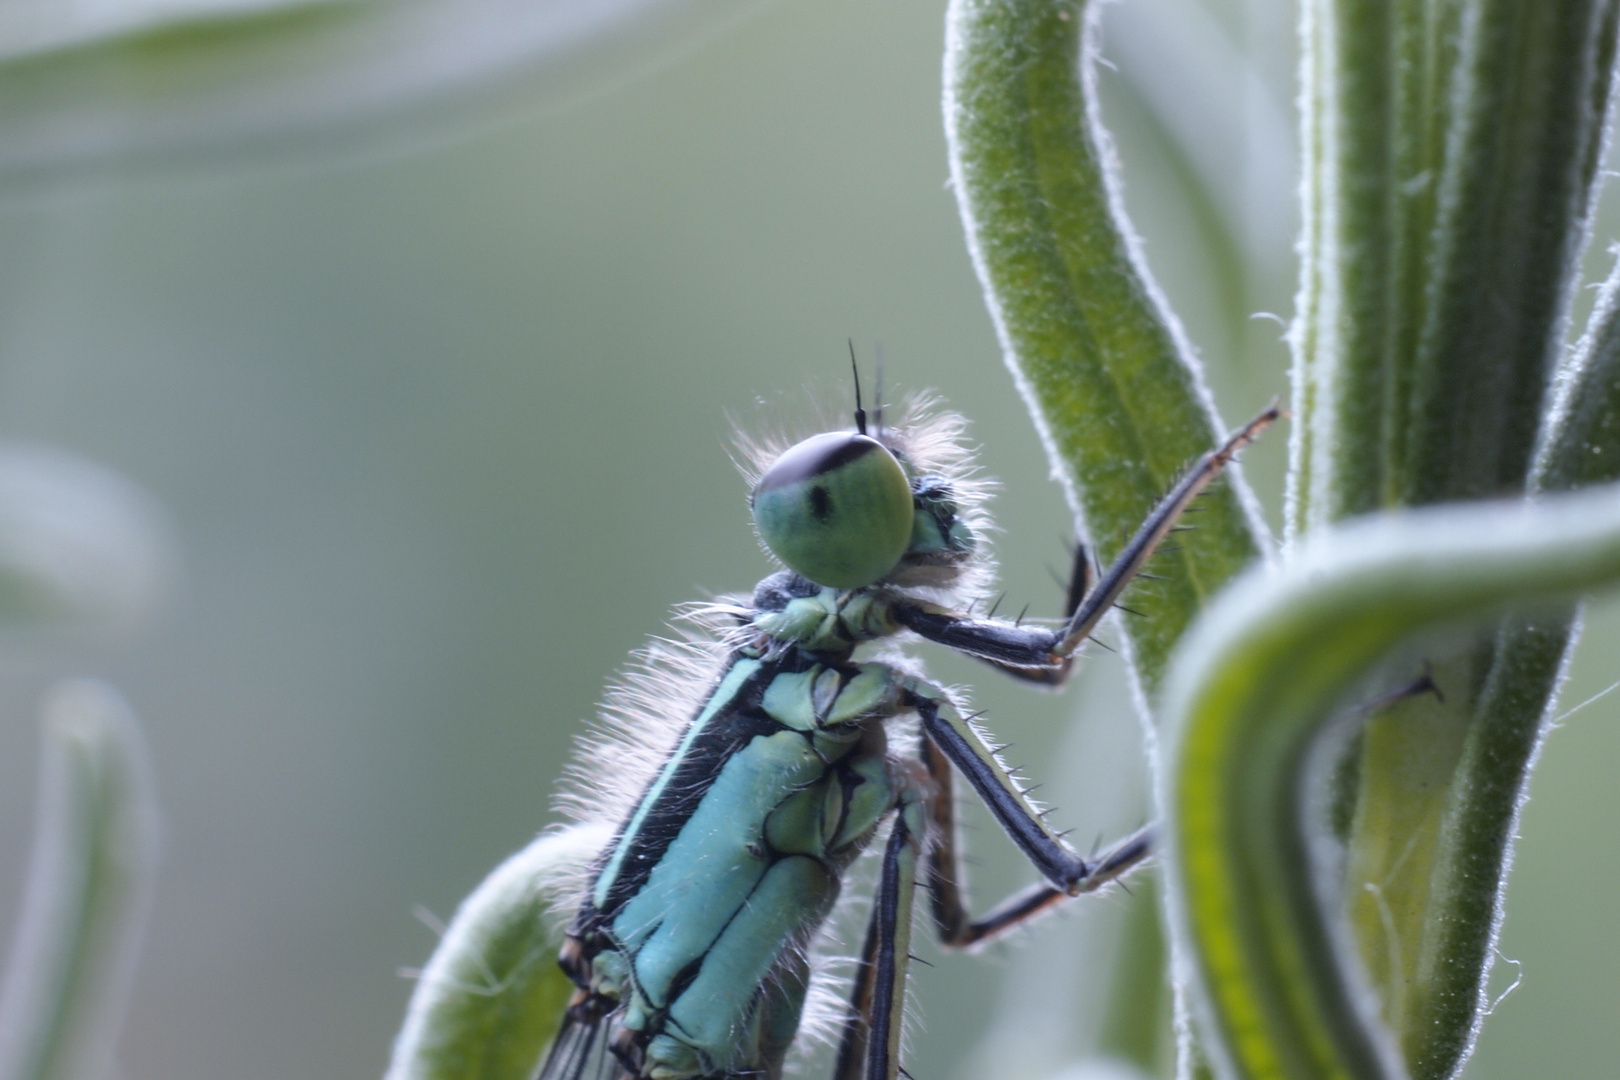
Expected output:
(1251, 692)
(1105, 369)
(1112, 383)
(1451, 155)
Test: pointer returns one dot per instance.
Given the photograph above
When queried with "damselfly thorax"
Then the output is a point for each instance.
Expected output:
(690, 948)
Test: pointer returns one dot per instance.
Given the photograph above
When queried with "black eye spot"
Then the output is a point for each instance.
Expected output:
(820, 503)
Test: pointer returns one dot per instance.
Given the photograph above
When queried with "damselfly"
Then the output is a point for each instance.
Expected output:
(748, 767)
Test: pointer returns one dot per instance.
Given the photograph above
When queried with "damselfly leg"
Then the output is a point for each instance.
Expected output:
(924, 831)
(924, 828)
(1044, 655)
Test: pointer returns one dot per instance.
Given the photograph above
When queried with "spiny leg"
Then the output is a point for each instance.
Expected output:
(1043, 655)
(957, 929)
(948, 730)
(1157, 526)
(852, 1042)
(870, 1047)
(1081, 578)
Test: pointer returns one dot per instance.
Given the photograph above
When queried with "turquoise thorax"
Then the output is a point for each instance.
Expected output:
(754, 866)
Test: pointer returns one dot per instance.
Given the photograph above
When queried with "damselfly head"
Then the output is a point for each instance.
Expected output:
(901, 504)
(837, 508)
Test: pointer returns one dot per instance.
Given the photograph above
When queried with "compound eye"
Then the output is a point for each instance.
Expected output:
(836, 508)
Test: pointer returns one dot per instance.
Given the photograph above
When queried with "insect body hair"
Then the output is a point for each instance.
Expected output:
(643, 714)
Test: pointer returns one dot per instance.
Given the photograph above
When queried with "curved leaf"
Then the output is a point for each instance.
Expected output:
(1113, 385)
(1108, 375)
(1253, 895)
(490, 1000)
(90, 83)
(89, 885)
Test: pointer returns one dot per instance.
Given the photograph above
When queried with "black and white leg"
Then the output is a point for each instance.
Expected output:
(925, 829)
(1044, 655)
(1081, 578)
(957, 928)
(870, 1047)
(951, 733)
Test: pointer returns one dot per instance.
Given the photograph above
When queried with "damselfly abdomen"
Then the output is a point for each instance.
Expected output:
(691, 940)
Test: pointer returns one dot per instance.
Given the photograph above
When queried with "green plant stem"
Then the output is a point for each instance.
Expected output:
(1578, 446)
(1439, 791)
(488, 1002)
(88, 889)
(1450, 158)
(1451, 155)
(1257, 680)
(1375, 111)
(1113, 386)
(1580, 438)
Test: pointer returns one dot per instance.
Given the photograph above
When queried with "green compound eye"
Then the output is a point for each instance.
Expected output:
(836, 508)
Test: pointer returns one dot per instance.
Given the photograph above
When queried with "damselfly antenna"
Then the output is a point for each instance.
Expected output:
(860, 413)
(877, 410)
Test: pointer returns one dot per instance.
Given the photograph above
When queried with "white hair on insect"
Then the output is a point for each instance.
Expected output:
(834, 956)
(566, 852)
(645, 710)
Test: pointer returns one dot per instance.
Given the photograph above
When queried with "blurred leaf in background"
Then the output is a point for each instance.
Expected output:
(88, 82)
(90, 879)
(79, 544)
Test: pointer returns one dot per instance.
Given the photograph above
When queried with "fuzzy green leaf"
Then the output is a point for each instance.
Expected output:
(1113, 385)
(1451, 155)
(491, 999)
(1258, 679)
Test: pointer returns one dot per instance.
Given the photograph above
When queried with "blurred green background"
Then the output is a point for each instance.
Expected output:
(441, 433)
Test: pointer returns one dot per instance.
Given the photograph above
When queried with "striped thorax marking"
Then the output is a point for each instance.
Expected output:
(632, 844)
(735, 850)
